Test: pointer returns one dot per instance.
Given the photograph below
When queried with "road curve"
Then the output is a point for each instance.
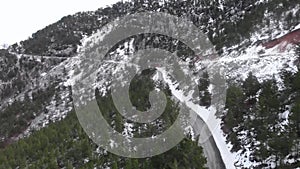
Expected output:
(210, 149)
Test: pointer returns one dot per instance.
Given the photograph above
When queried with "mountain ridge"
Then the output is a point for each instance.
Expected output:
(239, 55)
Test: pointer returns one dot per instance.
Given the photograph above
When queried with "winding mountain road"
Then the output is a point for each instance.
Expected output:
(210, 149)
(207, 126)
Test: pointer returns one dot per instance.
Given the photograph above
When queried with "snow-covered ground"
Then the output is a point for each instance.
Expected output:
(208, 116)
(263, 63)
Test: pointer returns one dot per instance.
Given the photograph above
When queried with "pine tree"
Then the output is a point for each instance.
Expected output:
(235, 106)
(205, 96)
(251, 86)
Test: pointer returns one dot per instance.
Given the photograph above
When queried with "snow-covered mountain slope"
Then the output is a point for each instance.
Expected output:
(265, 64)
(236, 63)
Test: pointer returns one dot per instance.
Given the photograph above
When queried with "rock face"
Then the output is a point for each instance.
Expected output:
(290, 38)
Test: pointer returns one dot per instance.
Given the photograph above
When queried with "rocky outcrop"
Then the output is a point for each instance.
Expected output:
(290, 38)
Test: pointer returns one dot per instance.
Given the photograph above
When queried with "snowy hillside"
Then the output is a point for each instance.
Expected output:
(263, 63)
(37, 76)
